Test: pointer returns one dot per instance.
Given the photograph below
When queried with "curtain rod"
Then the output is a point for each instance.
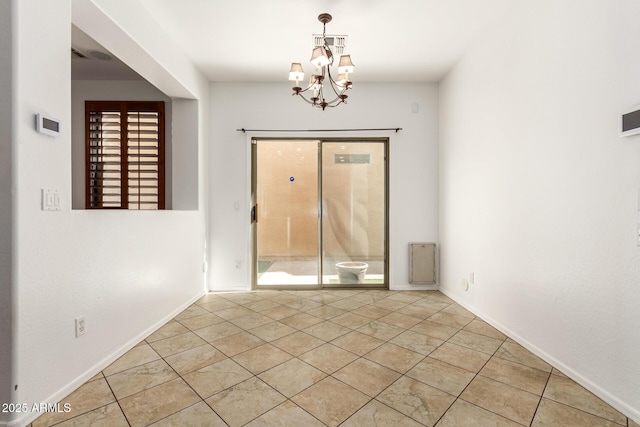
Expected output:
(243, 130)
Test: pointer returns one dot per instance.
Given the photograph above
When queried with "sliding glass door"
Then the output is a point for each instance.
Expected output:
(320, 213)
(353, 213)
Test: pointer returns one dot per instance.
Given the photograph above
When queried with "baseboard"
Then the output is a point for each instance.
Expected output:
(607, 397)
(414, 288)
(98, 367)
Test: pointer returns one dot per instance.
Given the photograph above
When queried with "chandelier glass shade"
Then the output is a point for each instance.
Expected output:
(324, 90)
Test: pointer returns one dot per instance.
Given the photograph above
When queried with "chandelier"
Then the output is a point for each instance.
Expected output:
(327, 91)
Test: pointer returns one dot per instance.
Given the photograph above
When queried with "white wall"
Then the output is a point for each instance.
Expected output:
(413, 170)
(118, 90)
(539, 194)
(6, 218)
(113, 267)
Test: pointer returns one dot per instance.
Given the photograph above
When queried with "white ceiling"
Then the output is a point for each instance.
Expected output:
(389, 41)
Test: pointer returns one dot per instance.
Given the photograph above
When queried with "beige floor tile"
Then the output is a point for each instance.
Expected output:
(301, 321)
(419, 311)
(452, 320)
(483, 328)
(217, 305)
(209, 297)
(272, 331)
(198, 415)
(357, 342)
(173, 345)
(395, 357)
(194, 359)
(371, 312)
(283, 298)
(553, 414)
(191, 311)
(521, 376)
(566, 391)
(140, 378)
(171, 329)
(351, 320)
(233, 312)
(633, 423)
(476, 341)
(463, 414)
(514, 352)
(442, 376)
(326, 312)
(327, 330)
(201, 321)
(458, 310)
(251, 321)
(261, 358)
(331, 401)
(237, 343)
(554, 371)
(502, 399)
(356, 378)
(279, 312)
(347, 304)
(303, 304)
(389, 304)
(462, 357)
(405, 297)
(287, 414)
(260, 396)
(440, 297)
(135, 357)
(366, 297)
(367, 376)
(90, 396)
(431, 304)
(417, 342)
(297, 343)
(105, 416)
(152, 405)
(217, 331)
(260, 305)
(400, 320)
(328, 358)
(380, 330)
(417, 400)
(435, 330)
(241, 297)
(292, 377)
(214, 378)
(376, 414)
(99, 375)
(325, 298)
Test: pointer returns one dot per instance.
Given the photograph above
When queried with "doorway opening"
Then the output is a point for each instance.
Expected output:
(320, 213)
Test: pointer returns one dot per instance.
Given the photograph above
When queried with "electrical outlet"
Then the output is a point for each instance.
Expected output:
(81, 326)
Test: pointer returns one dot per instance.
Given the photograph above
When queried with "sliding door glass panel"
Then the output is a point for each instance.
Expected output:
(353, 214)
(287, 212)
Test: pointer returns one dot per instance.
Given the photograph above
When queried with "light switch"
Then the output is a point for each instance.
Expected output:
(50, 200)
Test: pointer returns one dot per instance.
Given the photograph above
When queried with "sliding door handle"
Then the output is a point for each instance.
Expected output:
(254, 214)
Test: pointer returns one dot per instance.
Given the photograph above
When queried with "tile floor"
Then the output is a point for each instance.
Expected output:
(329, 358)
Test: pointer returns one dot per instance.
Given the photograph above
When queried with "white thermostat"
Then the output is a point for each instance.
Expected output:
(47, 125)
